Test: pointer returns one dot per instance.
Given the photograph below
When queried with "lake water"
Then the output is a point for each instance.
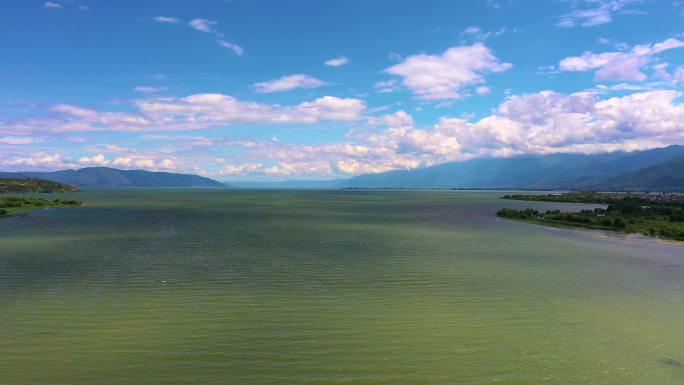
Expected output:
(320, 287)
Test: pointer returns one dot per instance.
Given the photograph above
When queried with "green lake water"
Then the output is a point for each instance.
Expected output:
(211, 286)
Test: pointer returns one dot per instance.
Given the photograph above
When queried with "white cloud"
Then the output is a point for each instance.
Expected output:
(149, 89)
(133, 161)
(548, 122)
(124, 161)
(336, 62)
(289, 82)
(664, 46)
(398, 119)
(168, 164)
(679, 75)
(75, 111)
(601, 12)
(166, 19)
(602, 88)
(540, 123)
(63, 4)
(617, 45)
(482, 90)
(19, 140)
(36, 160)
(386, 86)
(194, 112)
(211, 110)
(333, 108)
(97, 160)
(203, 25)
(660, 71)
(619, 66)
(244, 169)
(145, 163)
(434, 77)
(478, 34)
(234, 47)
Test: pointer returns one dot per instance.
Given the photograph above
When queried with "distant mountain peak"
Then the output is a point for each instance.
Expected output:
(113, 177)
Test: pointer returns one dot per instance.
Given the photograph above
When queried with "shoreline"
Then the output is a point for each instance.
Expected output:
(653, 215)
(15, 206)
(598, 233)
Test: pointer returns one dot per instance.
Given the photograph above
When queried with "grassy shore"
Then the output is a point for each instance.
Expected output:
(659, 215)
(13, 205)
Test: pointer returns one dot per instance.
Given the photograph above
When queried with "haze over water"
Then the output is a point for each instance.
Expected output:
(309, 287)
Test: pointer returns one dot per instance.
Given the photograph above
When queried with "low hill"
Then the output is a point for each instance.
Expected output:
(30, 185)
(112, 177)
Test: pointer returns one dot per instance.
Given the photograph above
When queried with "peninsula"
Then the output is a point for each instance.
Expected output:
(33, 185)
(13, 205)
(652, 214)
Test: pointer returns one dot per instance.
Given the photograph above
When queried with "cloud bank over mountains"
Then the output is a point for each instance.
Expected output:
(543, 122)
(372, 98)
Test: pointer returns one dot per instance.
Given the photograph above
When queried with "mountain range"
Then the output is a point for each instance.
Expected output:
(112, 177)
(659, 169)
(656, 169)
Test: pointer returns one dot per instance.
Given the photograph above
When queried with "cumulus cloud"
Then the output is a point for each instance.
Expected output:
(166, 19)
(37, 159)
(194, 112)
(97, 160)
(539, 123)
(599, 12)
(244, 169)
(548, 122)
(445, 76)
(619, 66)
(289, 82)
(50, 4)
(211, 110)
(338, 61)
(167, 164)
(128, 162)
(398, 119)
(109, 155)
(234, 47)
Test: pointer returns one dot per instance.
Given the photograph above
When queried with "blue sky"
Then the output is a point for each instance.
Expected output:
(263, 90)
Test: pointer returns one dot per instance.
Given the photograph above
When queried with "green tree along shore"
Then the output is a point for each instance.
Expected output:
(15, 186)
(11, 205)
(657, 214)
